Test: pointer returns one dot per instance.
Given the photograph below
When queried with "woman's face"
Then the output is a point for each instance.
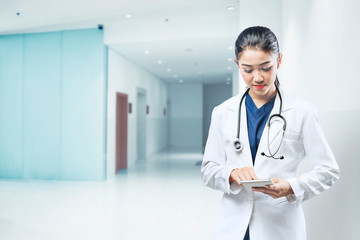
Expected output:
(258, 69)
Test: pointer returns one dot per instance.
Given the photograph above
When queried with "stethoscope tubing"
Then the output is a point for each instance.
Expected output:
(238, 146)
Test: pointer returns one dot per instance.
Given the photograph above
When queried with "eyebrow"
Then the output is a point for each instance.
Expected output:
(261, 64)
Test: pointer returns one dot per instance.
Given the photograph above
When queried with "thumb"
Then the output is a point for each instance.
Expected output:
(276, 180)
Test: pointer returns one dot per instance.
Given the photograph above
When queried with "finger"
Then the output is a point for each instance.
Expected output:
(270, 193)
(237, 180)
(275, 180)
(265, 191)
(275, 191)
(247, 174)
(235, 176)
(242, 176)
(253, 175)
(260, 189)
(273, 196)
(272, 187)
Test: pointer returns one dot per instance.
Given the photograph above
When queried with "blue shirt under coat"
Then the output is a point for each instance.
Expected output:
(256, 120)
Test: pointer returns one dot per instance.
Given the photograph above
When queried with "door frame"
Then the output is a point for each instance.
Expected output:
(121, 141)
(141, 135)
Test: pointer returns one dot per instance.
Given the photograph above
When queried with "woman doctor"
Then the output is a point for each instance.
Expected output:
(264, 133)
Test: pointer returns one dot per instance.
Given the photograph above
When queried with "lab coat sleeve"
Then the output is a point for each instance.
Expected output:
(215, 173)
(325, 169)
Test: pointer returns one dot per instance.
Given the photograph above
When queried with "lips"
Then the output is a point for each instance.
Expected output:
(259, 86)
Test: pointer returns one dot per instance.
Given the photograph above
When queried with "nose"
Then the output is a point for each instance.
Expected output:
(257, 77)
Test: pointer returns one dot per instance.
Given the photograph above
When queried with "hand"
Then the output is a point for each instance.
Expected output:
(280, 188)
(245, 173)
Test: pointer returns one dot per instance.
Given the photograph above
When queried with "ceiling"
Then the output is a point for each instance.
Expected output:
(178, 41)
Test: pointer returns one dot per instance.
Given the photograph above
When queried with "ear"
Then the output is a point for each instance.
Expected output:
(236, 62)
(279, 61)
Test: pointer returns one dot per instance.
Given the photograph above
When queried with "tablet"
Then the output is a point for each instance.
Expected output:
(257, 183)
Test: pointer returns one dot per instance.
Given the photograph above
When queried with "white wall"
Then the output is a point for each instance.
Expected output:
(321, 54)
(125, 77)
(186, 113)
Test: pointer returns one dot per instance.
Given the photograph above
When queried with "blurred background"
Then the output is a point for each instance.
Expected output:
(105, 108)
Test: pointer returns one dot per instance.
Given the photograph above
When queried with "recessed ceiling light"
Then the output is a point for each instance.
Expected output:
(228, 79)
(175, 76)
(229, 59)
(147, 52)
(230, 48)
(181, 81)
(229, 68)
(159, 62)
(128, 16)
(168, 70)
(230, 8)
(227, 83)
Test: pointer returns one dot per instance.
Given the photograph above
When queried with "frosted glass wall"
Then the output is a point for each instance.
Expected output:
(52, 99)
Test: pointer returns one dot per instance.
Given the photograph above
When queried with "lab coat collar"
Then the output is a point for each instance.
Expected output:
(286, 104)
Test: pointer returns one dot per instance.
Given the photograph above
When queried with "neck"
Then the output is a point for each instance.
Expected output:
(260, 100)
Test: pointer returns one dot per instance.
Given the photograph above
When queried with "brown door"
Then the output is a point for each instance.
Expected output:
(121, 131)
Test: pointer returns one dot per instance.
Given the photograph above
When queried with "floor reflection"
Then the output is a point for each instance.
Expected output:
(160, 198)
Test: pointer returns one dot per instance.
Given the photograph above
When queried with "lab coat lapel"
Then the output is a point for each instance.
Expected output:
(244, 136)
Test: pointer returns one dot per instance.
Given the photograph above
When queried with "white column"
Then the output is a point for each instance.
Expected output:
(320, 64)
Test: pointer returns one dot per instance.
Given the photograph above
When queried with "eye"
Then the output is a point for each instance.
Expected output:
(266, 69)
(248, 70)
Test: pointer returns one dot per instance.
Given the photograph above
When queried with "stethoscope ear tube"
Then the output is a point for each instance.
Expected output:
(282, 118)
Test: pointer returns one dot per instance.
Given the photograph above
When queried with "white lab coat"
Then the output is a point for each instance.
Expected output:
(268, 218)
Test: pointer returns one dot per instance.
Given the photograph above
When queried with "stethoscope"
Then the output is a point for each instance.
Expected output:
(238, 146)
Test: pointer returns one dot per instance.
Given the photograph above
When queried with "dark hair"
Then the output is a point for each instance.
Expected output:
(260, 38)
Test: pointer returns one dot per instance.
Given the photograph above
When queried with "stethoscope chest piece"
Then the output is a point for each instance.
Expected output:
(238, 146)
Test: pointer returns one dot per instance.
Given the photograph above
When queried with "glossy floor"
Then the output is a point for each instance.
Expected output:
(160, 198)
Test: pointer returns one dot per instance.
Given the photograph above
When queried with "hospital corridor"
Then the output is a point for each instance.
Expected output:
(106, 106)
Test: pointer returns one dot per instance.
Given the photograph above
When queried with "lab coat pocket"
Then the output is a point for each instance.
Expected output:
(292, 135)
(293, 143)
